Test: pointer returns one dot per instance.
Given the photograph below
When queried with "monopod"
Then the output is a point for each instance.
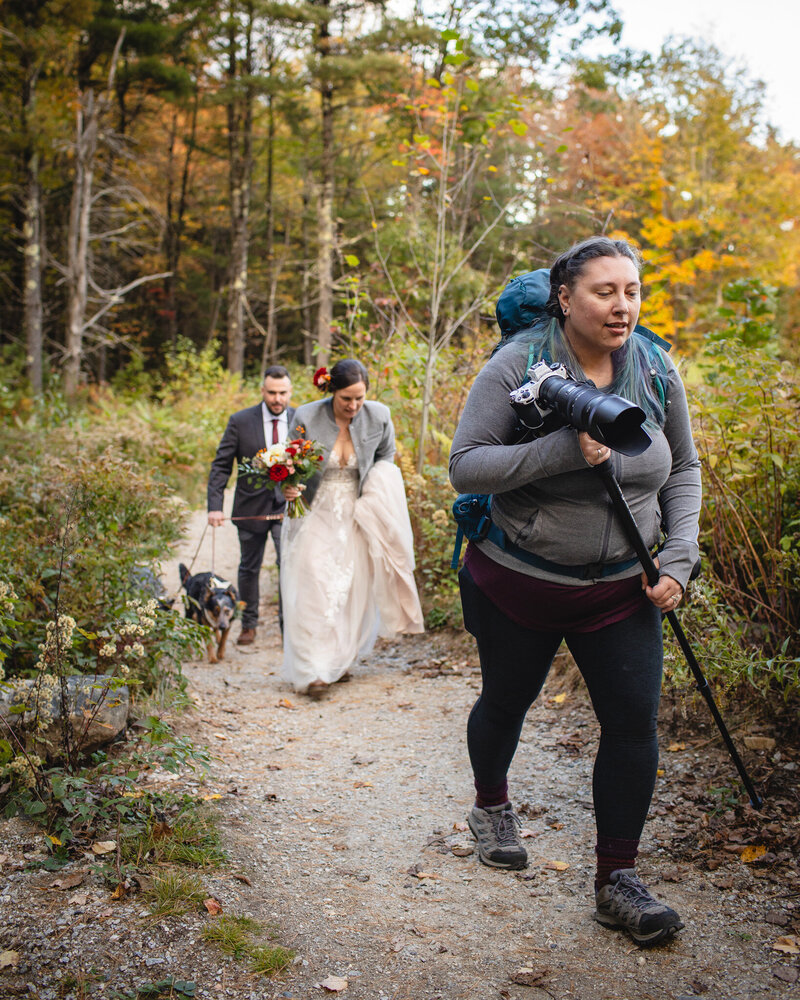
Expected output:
(606, 473)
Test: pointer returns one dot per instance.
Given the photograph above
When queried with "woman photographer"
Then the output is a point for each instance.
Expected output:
(569, 571)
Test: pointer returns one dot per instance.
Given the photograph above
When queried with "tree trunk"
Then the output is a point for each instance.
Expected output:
(240, 146)
(78, 238)
(305, 280)
(325, 244)
(32, 296)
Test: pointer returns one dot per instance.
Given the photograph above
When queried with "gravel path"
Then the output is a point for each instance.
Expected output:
(348, 816)
(344, 822)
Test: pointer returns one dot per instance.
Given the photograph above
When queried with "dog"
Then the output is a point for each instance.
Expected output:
(210, 601)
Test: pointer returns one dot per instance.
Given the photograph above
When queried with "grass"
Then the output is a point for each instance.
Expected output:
(175, 893)
(191, 839)
(236, 937)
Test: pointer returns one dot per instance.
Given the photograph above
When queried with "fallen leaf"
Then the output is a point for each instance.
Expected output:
(787, 974)
(104, 847)
(674, 747)
(363, 784)
(462, 850)
(461, 827)
(213, 906)
(243, 878)
(120, 892)
(161, 830)
(789, 944)
(285, 703)
(209, 798)
(525, 833)
(68, 881)
(54, 840)
(759, 742)
(78, 899)
(9, 959)
(427, 875)
(529, 977)
(334, 984)
(556, 866)
(559, 699)
(753, 853)
(220, 736)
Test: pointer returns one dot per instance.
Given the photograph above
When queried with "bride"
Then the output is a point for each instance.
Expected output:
(347, 565)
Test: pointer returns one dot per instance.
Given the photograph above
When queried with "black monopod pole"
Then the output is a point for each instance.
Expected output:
(606, 472)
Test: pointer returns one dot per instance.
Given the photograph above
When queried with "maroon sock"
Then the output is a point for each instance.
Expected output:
(613, 853)
(487, 796)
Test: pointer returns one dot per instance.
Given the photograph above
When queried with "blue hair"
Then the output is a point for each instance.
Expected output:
(640, 371)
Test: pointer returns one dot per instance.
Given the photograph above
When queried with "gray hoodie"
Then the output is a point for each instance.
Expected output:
(548, 500)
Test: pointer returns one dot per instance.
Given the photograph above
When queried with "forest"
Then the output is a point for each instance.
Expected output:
(189, 193)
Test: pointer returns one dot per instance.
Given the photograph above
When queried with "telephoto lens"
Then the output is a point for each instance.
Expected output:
(609, 419)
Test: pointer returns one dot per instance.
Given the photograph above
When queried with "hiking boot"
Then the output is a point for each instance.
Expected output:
(626, 904)
(497, 831)
(246, 637)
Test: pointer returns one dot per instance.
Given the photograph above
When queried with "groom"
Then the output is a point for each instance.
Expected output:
(257, 512)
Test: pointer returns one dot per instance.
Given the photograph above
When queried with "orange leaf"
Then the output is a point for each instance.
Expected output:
(750, 854)
(213, 906)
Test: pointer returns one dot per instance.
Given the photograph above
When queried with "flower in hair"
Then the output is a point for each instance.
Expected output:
(322, 378)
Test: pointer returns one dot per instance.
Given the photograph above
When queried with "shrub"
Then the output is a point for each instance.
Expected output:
(747, 419)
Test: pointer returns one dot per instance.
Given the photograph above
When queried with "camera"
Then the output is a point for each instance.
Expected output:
(552, 391)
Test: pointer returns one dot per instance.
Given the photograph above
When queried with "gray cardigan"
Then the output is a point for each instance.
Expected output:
(371, 431)
(548, 500)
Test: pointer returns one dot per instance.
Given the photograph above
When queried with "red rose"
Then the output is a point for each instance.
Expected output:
(278, 473)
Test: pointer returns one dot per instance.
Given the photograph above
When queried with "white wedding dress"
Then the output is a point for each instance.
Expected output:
(346, 573)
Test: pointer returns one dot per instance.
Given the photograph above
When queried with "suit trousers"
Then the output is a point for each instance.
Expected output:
(252, 545)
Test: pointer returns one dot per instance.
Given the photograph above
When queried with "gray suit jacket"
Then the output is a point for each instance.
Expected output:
(371, 430)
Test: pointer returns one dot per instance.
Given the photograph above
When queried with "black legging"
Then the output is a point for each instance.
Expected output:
(621, 665)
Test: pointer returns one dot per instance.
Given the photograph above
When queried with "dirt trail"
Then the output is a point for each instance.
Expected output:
(344, 822)
(344, 815)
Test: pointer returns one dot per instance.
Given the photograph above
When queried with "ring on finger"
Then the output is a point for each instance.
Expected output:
(675, 598)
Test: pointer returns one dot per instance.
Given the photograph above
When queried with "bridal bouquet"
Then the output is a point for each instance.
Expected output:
(287, 464)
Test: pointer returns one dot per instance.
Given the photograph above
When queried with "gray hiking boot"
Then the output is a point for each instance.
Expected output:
(497, 831)
(627, 904)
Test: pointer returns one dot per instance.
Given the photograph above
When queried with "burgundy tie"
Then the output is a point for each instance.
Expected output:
(275, 430)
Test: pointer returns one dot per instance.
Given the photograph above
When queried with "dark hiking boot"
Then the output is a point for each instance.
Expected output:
(626, 904)
(497, 831)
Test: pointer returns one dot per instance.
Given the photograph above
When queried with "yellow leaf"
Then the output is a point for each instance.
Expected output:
(559, 699)
(208, 798)
(675, 747)
(557, 866)
(54, 840)
(9, 959)
(492, 169)
(660, 772)
(423, 170)
(750, 854)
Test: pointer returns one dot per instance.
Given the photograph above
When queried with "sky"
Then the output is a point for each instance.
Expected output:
(763, 34)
